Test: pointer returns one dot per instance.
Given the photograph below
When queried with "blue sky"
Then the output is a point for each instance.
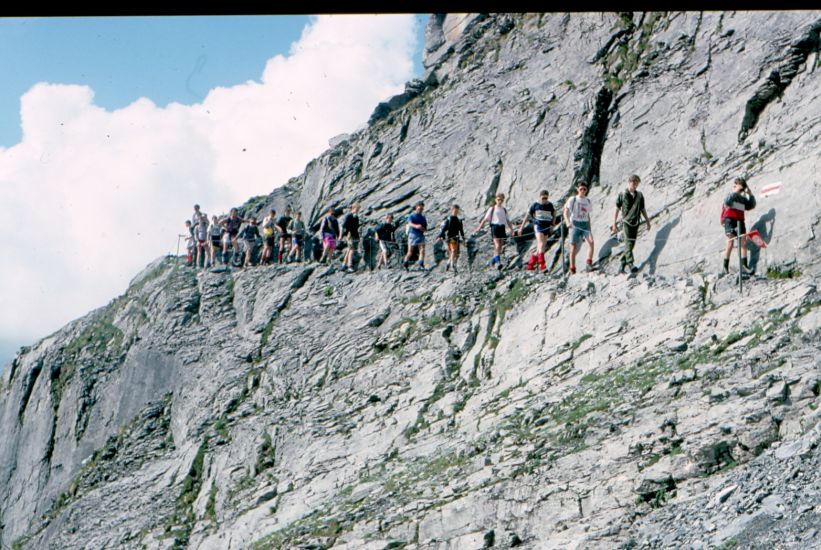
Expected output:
(165, 59)
(83, 78)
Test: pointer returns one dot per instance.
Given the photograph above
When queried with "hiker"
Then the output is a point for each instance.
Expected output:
(385, 236)
(231, 224)
(284, 236)
(297, 230)
(201, 238)
(189, 243)
(543, 216)
(738, 201)
(249, 236)
(452, 231)
(215, 236)
(195, 217)
(268, 236)
(329, 230)
(497, 216)
(350, 230)
(416, 227)
(630, 203)
(576, 214)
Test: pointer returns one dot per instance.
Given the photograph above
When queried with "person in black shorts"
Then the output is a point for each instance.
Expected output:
(249, 236)
(268, 236)
(284, 236)
(738, 201)
(350, 230)
(231, 224)
(385, 235)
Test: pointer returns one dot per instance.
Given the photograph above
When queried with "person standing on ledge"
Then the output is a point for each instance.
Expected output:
(543, 216)
(577, 218)
(417, 225)
(630, 203)
(496, 215)
(738, 201)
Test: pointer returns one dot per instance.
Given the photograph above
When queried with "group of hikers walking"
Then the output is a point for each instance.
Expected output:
(209, 241)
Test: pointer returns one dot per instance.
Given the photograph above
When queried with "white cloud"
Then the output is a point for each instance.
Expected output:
(90, 196)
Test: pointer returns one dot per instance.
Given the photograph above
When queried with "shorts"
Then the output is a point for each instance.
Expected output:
(453, 245)
(383, 246)
(580, 232)
(297, 240)
(285, 235)
(269, 241)
(731, 227)
(497, 230)
(201, 243)
(546, 230)
(415, 239)
(329, 241)
(216, 241)
(352, 243)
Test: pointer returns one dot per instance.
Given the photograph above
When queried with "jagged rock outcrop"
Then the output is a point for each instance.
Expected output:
(299, 407)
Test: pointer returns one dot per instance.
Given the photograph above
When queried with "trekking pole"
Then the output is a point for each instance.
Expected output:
(740, 268)
(564, 269)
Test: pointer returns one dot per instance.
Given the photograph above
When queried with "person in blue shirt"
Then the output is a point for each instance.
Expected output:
(416, 226)
(543, 216)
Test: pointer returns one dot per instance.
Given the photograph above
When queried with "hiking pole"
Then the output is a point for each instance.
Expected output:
(564, 269)
(740, 268)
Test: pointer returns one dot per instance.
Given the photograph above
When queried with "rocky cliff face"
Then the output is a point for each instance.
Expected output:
(297, 406)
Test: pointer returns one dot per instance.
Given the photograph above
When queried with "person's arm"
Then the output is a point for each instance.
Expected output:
(614, 227)
(485, 218)
(750, 200)
(644, 213)
(461, 230)
(524, 222)
(509, 223)
(566, 215)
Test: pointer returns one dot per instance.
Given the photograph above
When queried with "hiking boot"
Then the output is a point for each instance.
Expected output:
(621, 269)
(634, 269)
(349, 269)
(405, 265)
(572, 269)
(447, 266)
(455, 270)
(589, 267)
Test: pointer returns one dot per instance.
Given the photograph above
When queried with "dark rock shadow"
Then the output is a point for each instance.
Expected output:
(753, 250)
(607, 248)
(662, 236)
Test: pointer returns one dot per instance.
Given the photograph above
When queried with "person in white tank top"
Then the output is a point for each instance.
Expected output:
(496, 215)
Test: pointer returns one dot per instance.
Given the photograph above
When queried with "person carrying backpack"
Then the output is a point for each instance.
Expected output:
(738, 201)
(249, 236)
(385, 237)
(452, 231)
(284, 236)
(416, 226)
(544, 219)
(350, 230)
(268, 236)
(497, 216)
(630, 203)
(329, 230)
(297, 230)
(576, 214)
(231, 224)
(215, 236)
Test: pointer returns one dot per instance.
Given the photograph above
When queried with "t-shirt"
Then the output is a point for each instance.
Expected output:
(232, 225)
(631, 205)
(735, 204)
(250, 232)
(385, 231)
(195, 218)
(420, 220)
(201, 232)
(297, 227)
(350, 225)
(542, 214)
(283, 222)
(330, 226)
(579, 208)
(215, 230)
(452, 228)
(497, 215)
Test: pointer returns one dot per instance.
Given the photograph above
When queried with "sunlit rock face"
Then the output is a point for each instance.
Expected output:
(298, 406)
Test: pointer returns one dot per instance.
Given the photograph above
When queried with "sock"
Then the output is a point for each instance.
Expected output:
(589, 261)
(744, 262)
(726, 264)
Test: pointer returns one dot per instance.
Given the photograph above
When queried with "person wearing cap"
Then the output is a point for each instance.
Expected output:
(576, 214)
(630, 203)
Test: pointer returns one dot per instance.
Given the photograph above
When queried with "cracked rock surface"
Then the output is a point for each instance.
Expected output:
(296, 406)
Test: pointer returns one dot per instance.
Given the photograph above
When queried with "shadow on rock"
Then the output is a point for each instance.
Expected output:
(662, 236)
(753, 250)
